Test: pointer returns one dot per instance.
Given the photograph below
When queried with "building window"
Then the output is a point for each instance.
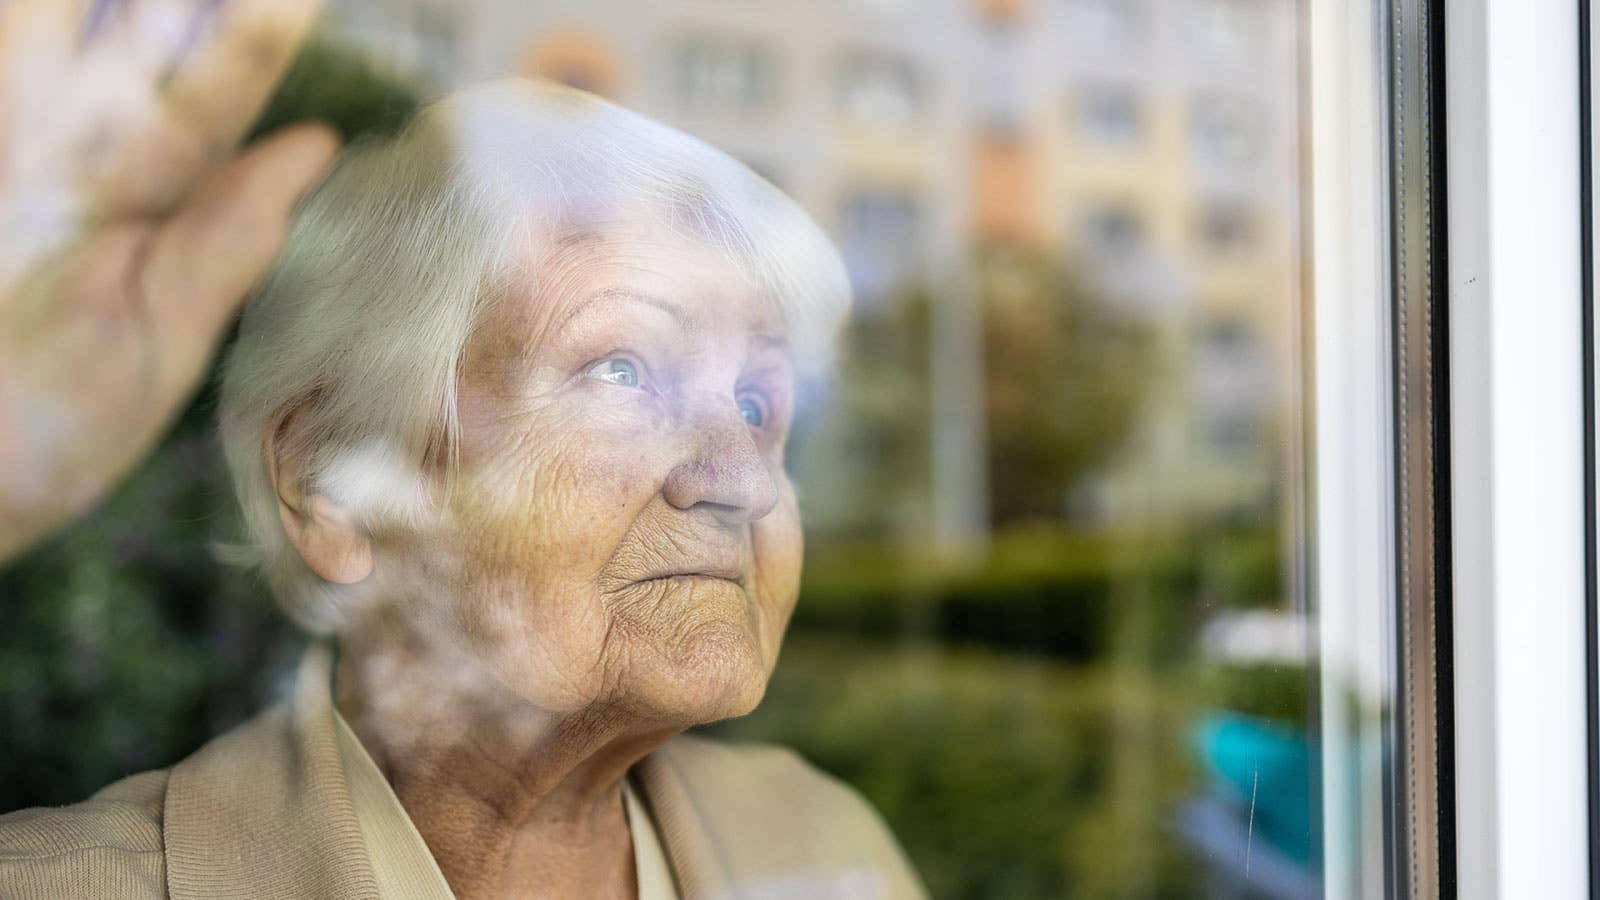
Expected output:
(1234, 380)
(1225, 131)
(1228, 340)
(1227, 29)
(1233, 432)
(886, 9)
(879, 91)
(880, 237)
(1113, 232)
(1109, 115)
(1002, 98)
(1105, 25)
(1226, 226)
(725, 76)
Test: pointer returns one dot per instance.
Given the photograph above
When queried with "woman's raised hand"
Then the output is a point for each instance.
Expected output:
(131, 226)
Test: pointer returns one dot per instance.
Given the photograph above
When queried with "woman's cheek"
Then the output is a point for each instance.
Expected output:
(601, 466)
(779, 548)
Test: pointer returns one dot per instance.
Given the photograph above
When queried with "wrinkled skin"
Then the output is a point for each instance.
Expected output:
(618, 558)
(625, 544)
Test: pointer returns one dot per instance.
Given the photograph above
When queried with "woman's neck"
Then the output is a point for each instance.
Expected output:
(510, 798)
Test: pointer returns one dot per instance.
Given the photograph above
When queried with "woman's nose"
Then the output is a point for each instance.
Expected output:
(723, 470)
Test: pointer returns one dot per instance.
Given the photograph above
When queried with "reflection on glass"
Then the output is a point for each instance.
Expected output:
(1103, 689)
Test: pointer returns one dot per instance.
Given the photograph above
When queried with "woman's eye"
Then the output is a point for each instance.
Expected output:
(616, 371)
(750, 409)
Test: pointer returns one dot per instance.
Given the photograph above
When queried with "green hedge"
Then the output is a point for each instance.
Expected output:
(1071, 595)
(1006, 775)
(986, 768)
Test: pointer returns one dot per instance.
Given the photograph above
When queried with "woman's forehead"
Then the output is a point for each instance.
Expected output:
(698, 287)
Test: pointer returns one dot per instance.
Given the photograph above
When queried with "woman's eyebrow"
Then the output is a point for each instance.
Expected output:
(582, 312)
(678, 312)
(682, 316)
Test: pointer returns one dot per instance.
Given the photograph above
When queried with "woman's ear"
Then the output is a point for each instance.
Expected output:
(326, 535)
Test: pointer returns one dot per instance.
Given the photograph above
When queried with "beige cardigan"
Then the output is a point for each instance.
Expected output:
(267, 810)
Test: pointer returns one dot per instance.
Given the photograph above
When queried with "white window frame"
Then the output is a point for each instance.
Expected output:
(1518, 493)
(1518, 504)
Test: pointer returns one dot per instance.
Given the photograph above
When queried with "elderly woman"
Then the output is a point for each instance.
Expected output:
(507, 422)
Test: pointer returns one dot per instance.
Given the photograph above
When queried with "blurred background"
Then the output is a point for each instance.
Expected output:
(1054, 620)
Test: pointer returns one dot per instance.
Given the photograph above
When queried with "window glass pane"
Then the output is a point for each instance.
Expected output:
(1052, 621)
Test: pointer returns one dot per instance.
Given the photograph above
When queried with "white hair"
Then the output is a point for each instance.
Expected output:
(359, 330)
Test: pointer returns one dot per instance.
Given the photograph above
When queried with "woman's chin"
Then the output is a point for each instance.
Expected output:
(717, 673)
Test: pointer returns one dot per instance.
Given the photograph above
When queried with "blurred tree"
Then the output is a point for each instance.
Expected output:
(861, 456)
(124, 644)
(1065, 374)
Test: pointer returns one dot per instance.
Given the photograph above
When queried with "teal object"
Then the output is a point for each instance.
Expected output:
(1263, 766)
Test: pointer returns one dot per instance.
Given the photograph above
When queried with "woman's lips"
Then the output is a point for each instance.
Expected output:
(718, 556)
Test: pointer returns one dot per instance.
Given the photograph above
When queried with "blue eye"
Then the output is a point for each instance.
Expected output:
(752, 413)
(618, 371)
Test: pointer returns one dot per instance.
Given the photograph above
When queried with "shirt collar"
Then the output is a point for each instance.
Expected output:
(291, 800)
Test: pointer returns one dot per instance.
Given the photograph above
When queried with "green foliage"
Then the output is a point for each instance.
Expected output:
(1064, 378)
(1065, 375)
(336, 84)
(1069, 594)
(1265, 690)
(1015, 776)
(1001, 776)
(862, 470)
(123, 644)
(1050, 596)
(1024, 725)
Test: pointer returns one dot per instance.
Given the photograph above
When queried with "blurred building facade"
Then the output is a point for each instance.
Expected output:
(1153, 143)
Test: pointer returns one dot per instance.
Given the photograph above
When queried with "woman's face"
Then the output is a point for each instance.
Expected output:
(623, 531)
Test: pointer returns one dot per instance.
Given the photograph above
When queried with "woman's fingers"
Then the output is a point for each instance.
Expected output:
(229, 62)
(206, 68)
(131, 232)
(113, 110)
(103, 348)
(207, 257)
